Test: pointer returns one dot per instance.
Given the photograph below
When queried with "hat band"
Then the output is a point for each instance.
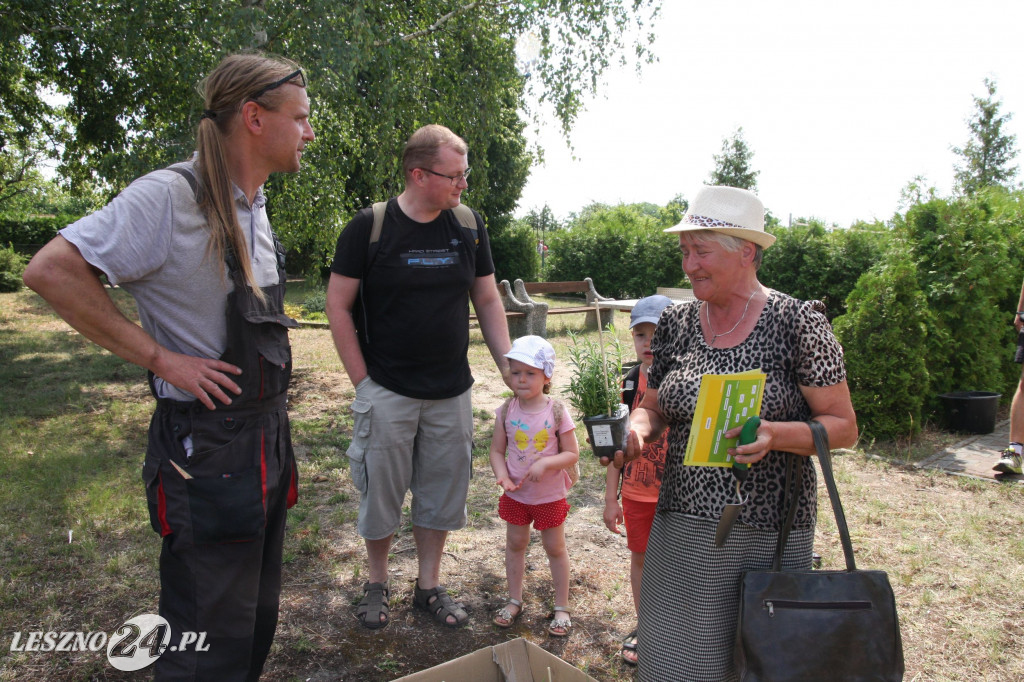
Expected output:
(704, 221)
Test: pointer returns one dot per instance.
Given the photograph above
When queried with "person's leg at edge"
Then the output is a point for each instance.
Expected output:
(1017, 413)
(1010, 458)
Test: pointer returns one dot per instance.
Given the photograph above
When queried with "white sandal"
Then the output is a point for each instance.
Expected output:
(506, 615)
(563, 624)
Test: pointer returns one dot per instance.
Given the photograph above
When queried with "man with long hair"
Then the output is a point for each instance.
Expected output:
(192, 244)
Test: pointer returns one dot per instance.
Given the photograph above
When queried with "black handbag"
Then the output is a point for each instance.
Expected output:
(839, 626)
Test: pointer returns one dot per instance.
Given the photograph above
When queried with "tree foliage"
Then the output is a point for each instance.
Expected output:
(809, 262)
(883, 335)
(733, 166)
(622, 248)
(959, 248)
(990, 150)
(515, 253)
(377, 71)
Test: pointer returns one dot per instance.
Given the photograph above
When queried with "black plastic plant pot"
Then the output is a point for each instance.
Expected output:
(608, 432)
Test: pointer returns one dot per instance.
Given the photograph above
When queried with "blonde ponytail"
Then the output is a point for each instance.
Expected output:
(230, 85)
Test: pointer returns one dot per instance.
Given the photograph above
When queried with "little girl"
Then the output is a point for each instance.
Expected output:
(533, 449)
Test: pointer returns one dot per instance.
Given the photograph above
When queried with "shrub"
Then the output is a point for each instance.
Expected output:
(622, 248)
(884, 335)
(28, 233)
(12, 265)
(960, 254)
(315, 301)
(514, 250)
(810, 262)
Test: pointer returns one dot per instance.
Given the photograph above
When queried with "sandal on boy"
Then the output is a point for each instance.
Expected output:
(439, 603)
(629, 644)
(504, 618)
(373, 605)
(560, 627)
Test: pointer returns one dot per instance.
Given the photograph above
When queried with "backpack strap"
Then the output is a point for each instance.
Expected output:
(190, 178)
(630, 383)
(378, 220)
(503, 413)
(463, 213)
(557, 410)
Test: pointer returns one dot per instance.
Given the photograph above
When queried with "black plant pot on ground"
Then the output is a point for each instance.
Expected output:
(608, 432)
(971, 411)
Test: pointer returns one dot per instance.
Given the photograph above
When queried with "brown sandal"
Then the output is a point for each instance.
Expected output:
(439, 603)
(373, 605)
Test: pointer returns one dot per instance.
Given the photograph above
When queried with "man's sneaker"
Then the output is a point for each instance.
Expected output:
(1009, 462)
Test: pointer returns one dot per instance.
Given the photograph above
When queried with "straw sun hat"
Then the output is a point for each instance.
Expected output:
(728, 210)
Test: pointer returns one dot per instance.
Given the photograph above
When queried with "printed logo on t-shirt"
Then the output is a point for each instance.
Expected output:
(430, 258)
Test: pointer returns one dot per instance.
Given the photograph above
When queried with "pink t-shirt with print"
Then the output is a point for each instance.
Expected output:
(532, 435)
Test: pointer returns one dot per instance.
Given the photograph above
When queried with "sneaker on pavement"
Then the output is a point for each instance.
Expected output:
(1009, 462)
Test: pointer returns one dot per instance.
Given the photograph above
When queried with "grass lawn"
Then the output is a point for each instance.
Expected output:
(77, 552)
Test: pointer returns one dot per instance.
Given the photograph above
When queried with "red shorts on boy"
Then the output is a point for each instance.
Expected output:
(543, 516)
(638, 517)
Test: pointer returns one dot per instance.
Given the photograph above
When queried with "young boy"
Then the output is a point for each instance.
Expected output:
(641, 478)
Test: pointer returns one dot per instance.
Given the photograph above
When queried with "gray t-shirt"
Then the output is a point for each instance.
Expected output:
(153, 241)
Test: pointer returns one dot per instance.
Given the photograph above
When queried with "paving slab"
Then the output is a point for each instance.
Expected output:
(974, 456)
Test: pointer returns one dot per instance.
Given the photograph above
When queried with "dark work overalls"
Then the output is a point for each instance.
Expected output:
(221, 509)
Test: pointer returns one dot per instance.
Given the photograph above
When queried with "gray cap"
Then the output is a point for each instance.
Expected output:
(648, 309)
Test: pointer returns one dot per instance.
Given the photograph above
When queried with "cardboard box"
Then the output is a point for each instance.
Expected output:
(514, 661)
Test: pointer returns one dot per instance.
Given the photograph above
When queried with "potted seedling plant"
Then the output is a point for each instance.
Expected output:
(594, 392)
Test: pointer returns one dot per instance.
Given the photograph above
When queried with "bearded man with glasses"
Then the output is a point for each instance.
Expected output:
(398, 307)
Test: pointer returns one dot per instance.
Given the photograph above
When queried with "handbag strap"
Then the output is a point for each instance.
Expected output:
(794, 470)
(825, 460)
(790, 499)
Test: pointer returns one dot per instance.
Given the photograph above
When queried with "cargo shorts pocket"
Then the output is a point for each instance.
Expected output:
(227, 507)
(362, 412)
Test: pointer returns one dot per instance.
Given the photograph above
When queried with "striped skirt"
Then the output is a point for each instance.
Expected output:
(689, 594)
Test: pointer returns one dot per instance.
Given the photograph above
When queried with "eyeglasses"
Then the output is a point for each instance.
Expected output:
(276, 84)
(454, 178)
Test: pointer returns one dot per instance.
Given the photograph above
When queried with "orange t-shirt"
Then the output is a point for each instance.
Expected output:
(641, 478)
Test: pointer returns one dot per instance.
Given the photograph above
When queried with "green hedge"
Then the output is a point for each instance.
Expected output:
(29, 233)
(622, 248)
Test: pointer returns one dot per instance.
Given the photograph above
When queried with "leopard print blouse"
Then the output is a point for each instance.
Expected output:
(793, 344)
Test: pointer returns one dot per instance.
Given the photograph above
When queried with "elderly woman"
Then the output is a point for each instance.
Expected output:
(690, 589)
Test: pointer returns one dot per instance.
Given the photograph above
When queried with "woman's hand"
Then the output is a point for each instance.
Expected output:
(756, 451)
(634, 444)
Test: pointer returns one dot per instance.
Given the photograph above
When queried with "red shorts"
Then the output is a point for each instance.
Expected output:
(543, 516)
(638, 517)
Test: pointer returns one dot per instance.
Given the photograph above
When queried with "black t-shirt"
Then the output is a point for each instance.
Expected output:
(412, 315)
